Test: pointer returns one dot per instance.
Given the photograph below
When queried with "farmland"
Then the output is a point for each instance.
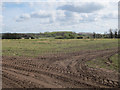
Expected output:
(60, 63)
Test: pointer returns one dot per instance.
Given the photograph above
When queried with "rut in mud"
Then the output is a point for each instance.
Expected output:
(58, 71)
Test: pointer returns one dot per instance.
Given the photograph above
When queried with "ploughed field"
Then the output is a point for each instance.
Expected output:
(50, 63)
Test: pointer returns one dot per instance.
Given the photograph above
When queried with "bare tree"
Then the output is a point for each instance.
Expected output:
(115, 33)
(110, 33)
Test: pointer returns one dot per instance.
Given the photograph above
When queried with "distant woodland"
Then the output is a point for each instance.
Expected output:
(62, 35)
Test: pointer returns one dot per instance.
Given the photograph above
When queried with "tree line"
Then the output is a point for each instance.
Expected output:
(111, 34)
(62, 35)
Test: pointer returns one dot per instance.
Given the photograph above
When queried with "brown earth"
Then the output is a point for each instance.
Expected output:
(62, 70)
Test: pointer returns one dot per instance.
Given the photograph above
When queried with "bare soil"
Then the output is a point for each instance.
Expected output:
(62, 70)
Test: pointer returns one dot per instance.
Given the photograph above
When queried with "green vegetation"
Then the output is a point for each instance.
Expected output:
(61, 35)
(36, 47)
(57, 35)
(111, 64)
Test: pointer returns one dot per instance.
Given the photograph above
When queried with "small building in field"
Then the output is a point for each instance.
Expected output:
(30, 38)
(22, 38)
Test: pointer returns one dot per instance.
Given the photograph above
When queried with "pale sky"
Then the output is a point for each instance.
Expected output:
(66, 15)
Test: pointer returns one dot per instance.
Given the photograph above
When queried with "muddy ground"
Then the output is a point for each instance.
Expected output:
(62, 70)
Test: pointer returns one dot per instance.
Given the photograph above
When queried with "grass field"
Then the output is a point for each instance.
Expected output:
(60, 63)
(36, 47)
(111, 64)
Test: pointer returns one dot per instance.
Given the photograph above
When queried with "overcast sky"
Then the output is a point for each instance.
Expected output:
(59, 16)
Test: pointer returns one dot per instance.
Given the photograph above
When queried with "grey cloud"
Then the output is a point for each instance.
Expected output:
(68, 17)
(40, 14)
(110, 16)
(23, 17)
(75, 18)
(84, 8)
(68, 14)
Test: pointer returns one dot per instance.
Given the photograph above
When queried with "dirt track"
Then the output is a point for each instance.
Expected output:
(58, 71)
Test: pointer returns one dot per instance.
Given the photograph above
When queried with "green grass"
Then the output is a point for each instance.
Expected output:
(104, 63)
(114, 60)
(36, 47)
